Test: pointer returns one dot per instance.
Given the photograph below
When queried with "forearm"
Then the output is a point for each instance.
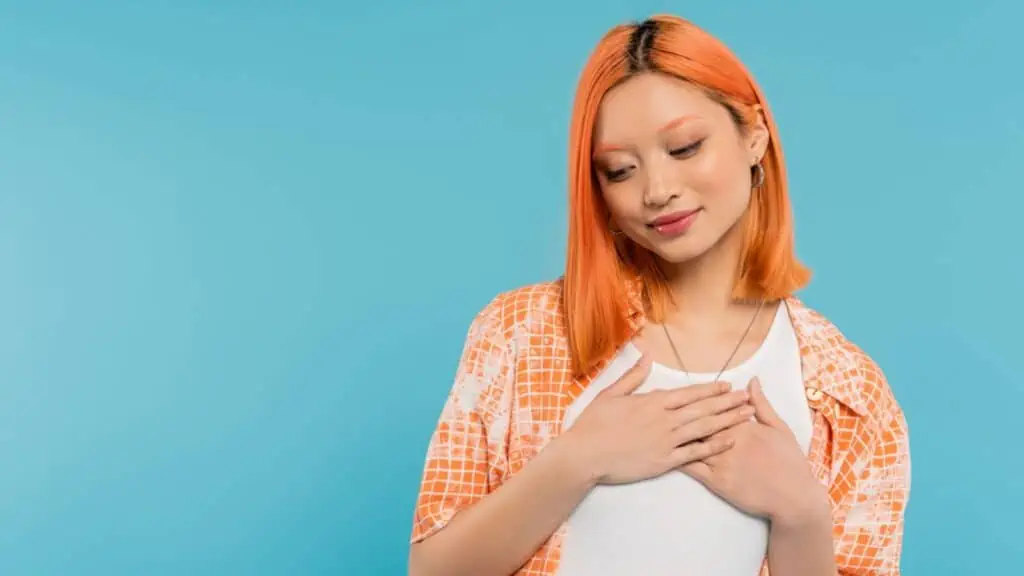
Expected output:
(800, 542)
(499, 533)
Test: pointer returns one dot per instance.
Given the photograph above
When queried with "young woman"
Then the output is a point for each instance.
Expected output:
(668, 407)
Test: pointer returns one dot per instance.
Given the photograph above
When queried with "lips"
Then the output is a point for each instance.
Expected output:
(672, 218)
(674, 224)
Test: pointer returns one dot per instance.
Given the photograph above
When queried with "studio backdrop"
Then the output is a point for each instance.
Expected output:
(241, 244)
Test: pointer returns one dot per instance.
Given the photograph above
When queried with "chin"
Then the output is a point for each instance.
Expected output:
(680, 250)
(679, 256)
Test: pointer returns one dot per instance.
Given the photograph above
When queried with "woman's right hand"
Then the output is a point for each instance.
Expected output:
(623, 437)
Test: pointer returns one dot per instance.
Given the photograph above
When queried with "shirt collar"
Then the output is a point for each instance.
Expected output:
(831, 363)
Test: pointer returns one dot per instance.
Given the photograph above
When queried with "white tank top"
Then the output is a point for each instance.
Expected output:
(672, 525)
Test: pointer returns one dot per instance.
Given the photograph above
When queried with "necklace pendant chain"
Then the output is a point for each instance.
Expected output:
(679, 358)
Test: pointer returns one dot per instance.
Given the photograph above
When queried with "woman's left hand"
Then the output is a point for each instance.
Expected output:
(764, 473)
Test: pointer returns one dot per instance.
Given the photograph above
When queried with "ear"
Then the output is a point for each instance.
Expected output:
(757, 137)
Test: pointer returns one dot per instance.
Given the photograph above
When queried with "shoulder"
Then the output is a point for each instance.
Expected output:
(523, 324)
(845, 369)
(523, 311)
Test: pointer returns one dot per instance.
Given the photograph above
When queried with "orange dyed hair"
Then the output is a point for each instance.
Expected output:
(597, 278)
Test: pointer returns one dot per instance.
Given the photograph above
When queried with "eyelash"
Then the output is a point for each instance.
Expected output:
(684, 152)
(687, 150)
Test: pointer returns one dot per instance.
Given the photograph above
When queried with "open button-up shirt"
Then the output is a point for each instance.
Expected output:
(514, 383)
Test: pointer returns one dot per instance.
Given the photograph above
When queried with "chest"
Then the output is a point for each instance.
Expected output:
(672, 520)
(546, 398)
(777, 367)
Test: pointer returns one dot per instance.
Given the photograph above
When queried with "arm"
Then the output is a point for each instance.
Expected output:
(800, 544)
(869, 512)
(463, 524)
(862, 533)
(499, 533)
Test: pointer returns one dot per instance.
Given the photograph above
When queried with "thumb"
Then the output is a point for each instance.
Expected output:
(763, 410)
(629, 381)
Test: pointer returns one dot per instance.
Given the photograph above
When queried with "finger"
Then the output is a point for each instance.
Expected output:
(690, 394)
(709, 406)
(700, 450)
(700, 471)
(631, 380)
(764, 412)
(709, 425)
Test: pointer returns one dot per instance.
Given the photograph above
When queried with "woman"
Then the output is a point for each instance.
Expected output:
(667, 407)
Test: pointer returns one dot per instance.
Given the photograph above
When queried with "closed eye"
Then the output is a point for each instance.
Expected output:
(618, 175)
(686, 151)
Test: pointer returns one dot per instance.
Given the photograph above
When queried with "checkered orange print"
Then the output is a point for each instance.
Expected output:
(514, 383)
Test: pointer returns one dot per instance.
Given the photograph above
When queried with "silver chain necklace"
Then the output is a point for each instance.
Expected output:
(679, 358)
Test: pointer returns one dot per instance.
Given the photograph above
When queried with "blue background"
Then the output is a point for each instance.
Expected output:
(241, 242)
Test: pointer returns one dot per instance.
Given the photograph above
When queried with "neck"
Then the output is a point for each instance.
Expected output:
(702, 287)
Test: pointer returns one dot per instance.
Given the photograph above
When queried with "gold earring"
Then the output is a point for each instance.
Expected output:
(758, 175)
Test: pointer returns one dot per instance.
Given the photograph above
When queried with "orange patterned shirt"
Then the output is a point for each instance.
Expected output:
(514, 383)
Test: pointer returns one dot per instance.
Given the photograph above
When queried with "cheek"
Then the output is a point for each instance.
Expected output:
(623, 203)
(719, 179)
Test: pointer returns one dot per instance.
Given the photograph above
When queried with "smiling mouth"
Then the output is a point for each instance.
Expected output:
(674, 224)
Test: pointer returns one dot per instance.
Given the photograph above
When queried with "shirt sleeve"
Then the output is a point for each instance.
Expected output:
(869, 520)
(466, 450)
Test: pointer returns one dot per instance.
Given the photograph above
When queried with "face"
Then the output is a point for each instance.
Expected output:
(673, 167)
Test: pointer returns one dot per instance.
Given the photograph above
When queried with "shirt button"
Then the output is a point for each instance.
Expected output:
(814, 394)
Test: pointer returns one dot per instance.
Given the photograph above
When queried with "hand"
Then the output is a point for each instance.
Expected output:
(623, 437)
(765, 473)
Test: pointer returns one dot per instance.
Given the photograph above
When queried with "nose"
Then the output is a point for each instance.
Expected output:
(661, 187)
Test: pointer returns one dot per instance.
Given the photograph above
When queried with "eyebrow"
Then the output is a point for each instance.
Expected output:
(668, 126)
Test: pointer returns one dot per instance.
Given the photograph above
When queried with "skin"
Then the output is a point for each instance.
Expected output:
(663, 146)
(722, 438)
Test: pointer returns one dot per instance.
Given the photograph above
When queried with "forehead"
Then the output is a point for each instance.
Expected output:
(645, 103)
